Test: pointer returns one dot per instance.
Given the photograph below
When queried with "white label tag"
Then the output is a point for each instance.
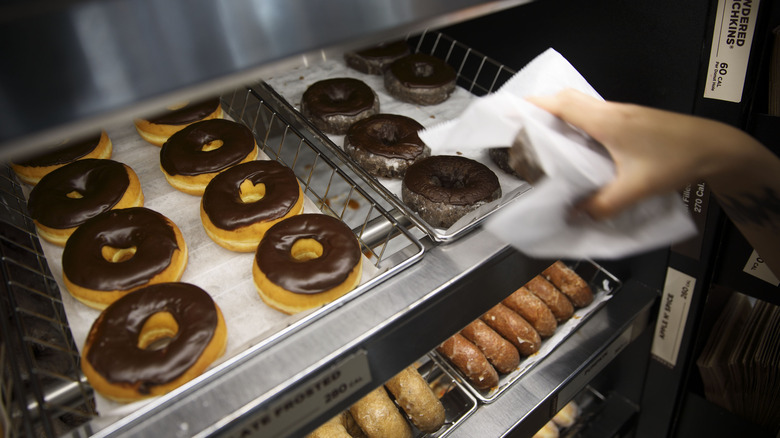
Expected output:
(756, 267)
(303, 403)
(670, 325)
(730, 51)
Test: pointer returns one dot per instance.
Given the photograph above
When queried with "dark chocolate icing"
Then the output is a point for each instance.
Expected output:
(113, 339)
(188, 114)
(451, 179)
(183, 153)
(388, 135)
(340, 253)
(70, 151)
(338, 96)
(146, 230)
(222, 197)
(422, 71)
(385, 50)
(101, 184)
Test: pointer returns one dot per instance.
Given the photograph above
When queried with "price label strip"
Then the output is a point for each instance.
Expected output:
(670, 325)
(317, 394)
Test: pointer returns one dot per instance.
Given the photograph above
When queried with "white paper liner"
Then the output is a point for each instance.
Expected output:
(291, 85)
(539, 222)
(225, 275)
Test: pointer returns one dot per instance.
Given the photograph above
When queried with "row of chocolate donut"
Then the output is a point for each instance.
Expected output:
(494, 343)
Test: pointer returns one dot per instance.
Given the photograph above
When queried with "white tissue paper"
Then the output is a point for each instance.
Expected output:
(540, 222)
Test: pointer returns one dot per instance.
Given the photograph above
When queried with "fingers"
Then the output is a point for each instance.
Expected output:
(575, 108)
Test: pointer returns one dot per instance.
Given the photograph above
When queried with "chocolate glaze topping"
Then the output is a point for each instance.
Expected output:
(183, 153)
(146, 230)
(66, 153)
(100, 183)
(222, 197)
(188, 114)
(113, 339)
(451, 179)
(338, 96)
(385, 50)
(388, 135)
(422, 71)
(340, 255)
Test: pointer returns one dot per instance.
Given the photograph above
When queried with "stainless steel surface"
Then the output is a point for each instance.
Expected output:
(76, 66)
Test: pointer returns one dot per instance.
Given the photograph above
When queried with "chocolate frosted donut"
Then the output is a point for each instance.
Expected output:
(335, 104)
(68, 196)
(374, 60)
(421, 79)
(31, 169)
(444, 188)
(385, 144)
(119, 251)
(119, 359)
(158, 128)
(241, 203)
(197, 153)
(306, 261)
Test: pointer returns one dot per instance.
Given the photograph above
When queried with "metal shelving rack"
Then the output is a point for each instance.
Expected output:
(365, 340)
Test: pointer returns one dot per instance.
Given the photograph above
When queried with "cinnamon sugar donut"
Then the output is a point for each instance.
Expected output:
(335, 104)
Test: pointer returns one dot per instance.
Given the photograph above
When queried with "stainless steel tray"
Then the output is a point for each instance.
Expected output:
(603, 284)
(477, 75)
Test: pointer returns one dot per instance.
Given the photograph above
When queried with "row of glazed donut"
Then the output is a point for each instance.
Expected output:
(494, 343)
(561, 421)
(384, 411)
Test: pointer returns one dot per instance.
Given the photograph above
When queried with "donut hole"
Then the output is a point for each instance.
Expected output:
(117, 255)
(422, 70)
(158, 331)
(74, 195)
(212, 145)
(339, 94)
(449, 181)
(251, 192)
(388, 135)
(306, 249)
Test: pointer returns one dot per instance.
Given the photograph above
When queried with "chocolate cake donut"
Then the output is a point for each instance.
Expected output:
(335, 104)
(421, 79)
(444, 188)
(385, 145)
(374, 60)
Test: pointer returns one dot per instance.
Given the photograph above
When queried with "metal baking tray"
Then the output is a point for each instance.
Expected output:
(604, 286)
(477, 75)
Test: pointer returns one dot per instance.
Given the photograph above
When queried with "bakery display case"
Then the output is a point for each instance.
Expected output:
(423, 286)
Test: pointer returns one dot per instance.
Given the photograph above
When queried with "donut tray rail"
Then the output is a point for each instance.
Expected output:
(43, 392)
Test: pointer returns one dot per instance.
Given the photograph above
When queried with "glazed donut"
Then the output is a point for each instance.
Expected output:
(412, 393)
(385, 145)
(197, 153)
(306, 261)
(374, 60)
(124, 358)
(157, 129)
(421, 79)
(568, 282)
(500, 352)
(377, 416)
(533, 310)
(444, 188)
(68, 196)
(241, 203)
(560, 306)
(333, 105)
(500, 157)
(549, 430)
(31, 169)
(513, 328)
(470, 361)
(120, 251)
(568, 415)
(523, 159)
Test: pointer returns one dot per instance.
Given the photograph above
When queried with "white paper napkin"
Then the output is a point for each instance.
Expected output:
(540, 222)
